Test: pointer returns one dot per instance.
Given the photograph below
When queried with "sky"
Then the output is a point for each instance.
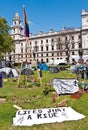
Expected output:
(44, 15)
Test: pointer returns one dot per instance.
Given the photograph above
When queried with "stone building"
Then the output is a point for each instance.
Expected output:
(53, 45)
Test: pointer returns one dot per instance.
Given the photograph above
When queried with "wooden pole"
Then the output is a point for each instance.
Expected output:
(26, 53)
(40, 76)
(26, 50)
(19, 74)
(34, 60)
(17, 107)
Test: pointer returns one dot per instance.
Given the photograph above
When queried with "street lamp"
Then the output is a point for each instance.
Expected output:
(10, 58)
(67, 54)
(80, 53)
(80, 45)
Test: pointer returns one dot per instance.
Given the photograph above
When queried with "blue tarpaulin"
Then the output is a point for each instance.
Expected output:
(42, 66)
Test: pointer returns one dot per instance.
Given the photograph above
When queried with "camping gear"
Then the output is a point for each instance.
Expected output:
(76, 95)
(86, 89)
(54, 70)
(0, 81)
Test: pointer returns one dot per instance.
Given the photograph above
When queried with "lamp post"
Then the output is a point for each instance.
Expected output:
(80, 53)
(67, 54)
(80, 45)
(10, 58)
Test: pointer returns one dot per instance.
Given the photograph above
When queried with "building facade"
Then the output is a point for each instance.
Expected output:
(52, 45)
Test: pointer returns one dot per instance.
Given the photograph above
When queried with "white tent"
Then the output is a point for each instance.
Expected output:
(58, 61)
(77, 57)
(7, 70)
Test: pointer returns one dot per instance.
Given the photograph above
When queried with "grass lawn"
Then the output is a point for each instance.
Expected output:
(28, 97)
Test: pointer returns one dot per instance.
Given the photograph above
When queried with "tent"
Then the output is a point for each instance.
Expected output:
(25, 71)
(42, 66)
(58, 61)
(72, 68)
(8, 72)
(77, 57)
(4, 64)
(65, 86)
(54, 70)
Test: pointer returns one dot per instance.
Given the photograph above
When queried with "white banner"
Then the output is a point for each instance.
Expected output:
(48, 115)
(65, 86)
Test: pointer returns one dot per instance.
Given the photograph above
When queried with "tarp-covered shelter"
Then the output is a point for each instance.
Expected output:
(42, 66)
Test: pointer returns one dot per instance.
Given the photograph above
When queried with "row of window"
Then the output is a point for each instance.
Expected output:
(46, 55)
(59, 39)
(58, 47)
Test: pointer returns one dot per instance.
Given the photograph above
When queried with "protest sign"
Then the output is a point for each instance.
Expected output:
(47, 115)
(65, 86)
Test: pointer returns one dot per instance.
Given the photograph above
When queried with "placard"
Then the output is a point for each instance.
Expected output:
(48, 115)
(65, 86)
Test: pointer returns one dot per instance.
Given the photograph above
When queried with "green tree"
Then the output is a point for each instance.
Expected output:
(6, 41)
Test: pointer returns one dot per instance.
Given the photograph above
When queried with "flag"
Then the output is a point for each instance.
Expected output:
(26, 27)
